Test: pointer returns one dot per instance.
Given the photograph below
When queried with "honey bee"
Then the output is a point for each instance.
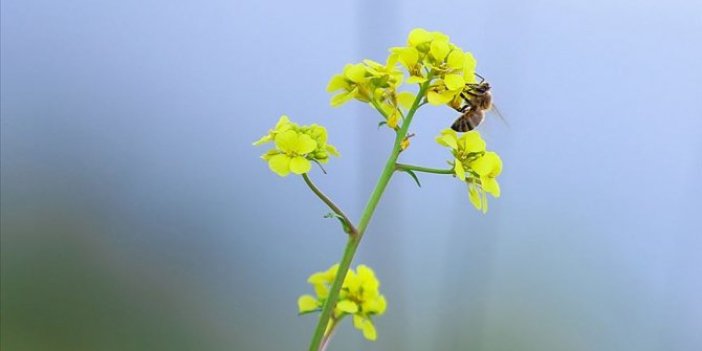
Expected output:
(477, 100)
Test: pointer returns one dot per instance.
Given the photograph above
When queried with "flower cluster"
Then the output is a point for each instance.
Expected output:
(427, 56)
(359, 297)
(430, 55)
(374, 83)
(295, 147)
(474, 165)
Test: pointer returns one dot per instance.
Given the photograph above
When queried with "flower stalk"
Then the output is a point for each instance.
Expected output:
(354, 240)
(404, 167)
(348, 224)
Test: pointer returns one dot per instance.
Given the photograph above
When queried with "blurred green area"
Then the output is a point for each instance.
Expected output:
(62, 289)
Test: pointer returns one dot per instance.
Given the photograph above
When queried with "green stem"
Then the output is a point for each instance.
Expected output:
(327, 338)
(379, 109)
(354, 240)
(351, 228)
(404, 167)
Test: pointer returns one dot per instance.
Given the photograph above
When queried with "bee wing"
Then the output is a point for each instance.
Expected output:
(493, 108)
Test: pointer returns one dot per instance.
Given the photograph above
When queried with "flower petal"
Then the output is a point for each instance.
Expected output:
(455, 59)
(436, 98)
(351, 281)
(497, 161)
(489, 164)
(280, 164)
(283, 123)
(307, 303)
(406, 99)
(300, 165)
(490, 185)
(270, 153)
(458, 169)
(355, 73)
(375, 305)
(344, 97)
(338, 81)
(368, 330)
(365, 272)
(304, 144)
(264, 139)
(418, 36)
(286, 140)
(475, 197)
(472, 142)
(408, 57)
(416, 79)
(436, 35)
(332, 150)
(454, 82)
(469, 65)
(439, 50)
(347, 306)
(381, 305)
(357, 321)
(449, 138)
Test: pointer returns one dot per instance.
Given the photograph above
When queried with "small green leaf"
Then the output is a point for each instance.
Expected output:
(413, 175)
(308, 312)
(344, 225)
(320, 165)
(382, 123)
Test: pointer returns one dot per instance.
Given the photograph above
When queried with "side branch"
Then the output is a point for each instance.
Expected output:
(351, 228)
(404, 167)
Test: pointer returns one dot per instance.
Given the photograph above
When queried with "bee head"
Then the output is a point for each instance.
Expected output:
(483, 87)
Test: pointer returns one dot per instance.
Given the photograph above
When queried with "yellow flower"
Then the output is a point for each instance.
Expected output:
(432, 54)
(424, 50)
(295, 147)
(404, 144)
(409, 57)
(440, 92)
(351, 82)
(359, 297)
(427, 56)
(361, 80)
(374, 83)
(307, 303)
(282, 125)
(473, 165)
(488, 167)
(321, 281)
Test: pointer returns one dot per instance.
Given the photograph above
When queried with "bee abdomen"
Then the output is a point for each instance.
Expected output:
(468, 121)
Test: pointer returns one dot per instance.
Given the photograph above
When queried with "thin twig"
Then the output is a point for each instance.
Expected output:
(404, 167)
(352, 229)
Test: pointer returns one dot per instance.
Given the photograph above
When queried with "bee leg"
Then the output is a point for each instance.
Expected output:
(467, 96)
(460, 109)
(471, 93)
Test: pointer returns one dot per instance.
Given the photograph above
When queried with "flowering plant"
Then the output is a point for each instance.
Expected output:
(445, 76)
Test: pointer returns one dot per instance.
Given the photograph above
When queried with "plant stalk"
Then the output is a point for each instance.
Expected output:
(351, 228)
(405, 167)
(371, 205)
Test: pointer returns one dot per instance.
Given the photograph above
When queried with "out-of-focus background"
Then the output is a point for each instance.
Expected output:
(136, 215)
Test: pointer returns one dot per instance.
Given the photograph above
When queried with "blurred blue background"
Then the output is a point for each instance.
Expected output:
(136, 215)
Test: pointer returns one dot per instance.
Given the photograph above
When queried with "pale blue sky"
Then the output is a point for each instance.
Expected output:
(126, 132)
